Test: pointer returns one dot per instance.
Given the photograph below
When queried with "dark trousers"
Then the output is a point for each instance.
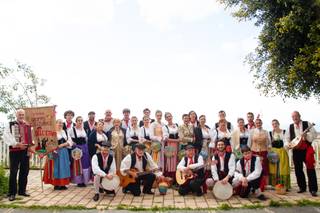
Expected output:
(18, 161)
(193, 186)
(252, 185)
(299, 157)
(147, 179)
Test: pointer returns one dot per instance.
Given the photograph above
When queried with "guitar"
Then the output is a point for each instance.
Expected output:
(183, 177)
(295, 143)
(126, 180)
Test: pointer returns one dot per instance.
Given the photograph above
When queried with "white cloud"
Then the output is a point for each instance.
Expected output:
(162, 13)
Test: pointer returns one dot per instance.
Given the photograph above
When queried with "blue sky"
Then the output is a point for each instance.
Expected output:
(172, 55)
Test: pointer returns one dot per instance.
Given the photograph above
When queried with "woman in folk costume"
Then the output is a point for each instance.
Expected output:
(222, 132)
(205, 144)
(132, 133)
(80, 165)
(282, 176)
(156, 135)
(193, 119)
(144, 135)
(259, 142)
(118, 141)
(239, 138)
(171, 148)
(96, 138)
(57, 169)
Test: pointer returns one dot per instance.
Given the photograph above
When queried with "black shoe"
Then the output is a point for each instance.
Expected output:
(148, 193)
(301, 191)
(56, 188)
(81, 185)
(314, 194)
(199, 194)
(96, 197)
(63, 188)
(24, 194)
(262, 197)
(12, 197)
(112, 192)
(124, 191)
(101, 190)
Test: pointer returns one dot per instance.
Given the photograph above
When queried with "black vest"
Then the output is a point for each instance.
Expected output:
(78, 141)
(100, 162)
(291, 129)
(226, 162)
(134, 160)
(278, 143)
(253, 163)
(200, 172)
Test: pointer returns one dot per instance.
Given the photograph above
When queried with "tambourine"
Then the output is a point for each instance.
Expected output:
(169, 151)
(222, 191)
(112, 184)
(273, 157)
(155, 146)
(76, 154)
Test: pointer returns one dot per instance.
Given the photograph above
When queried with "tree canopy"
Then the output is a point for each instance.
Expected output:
(20, 87)
(286, 61)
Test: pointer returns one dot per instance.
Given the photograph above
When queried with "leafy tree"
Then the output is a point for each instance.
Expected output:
(286, 61)
(19, 87)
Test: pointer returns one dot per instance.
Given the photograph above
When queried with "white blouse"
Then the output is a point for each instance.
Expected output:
(132, 132)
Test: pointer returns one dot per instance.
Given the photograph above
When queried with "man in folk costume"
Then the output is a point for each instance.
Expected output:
(222, 167)
(90, 124)
(141, 161)
(247, 175)
(250, 118)
(103, 166)
(303, 153)
(190, 162)
(18, 136)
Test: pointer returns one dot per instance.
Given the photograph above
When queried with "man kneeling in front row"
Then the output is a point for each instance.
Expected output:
(248, 175)
(103, 166)
(222, 167)
(140, 161)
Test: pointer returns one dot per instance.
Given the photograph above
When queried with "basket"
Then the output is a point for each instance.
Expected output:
(280, 189)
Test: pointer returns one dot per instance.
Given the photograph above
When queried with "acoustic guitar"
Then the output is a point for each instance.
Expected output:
(295, 143)
(183, 177)
(126, 180)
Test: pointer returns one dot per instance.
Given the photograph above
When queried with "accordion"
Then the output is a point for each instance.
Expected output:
(22, 133)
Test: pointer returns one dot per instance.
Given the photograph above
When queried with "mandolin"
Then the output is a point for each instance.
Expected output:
(296, 142)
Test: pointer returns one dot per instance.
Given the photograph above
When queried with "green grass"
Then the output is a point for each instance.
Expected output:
(272, 203)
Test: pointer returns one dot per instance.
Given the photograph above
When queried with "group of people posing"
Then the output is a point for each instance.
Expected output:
(247, 157)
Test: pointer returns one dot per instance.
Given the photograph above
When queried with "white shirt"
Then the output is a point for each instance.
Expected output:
(191, 166)
(141, 133)
(217, 134)
(250, 176)
(81, 133)
(132, 132)
(311, 135)
(170, 130)
(62, 134)
(8, 137)
(231, 166)
(101, 137)
(126, 164)
(96, 169)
